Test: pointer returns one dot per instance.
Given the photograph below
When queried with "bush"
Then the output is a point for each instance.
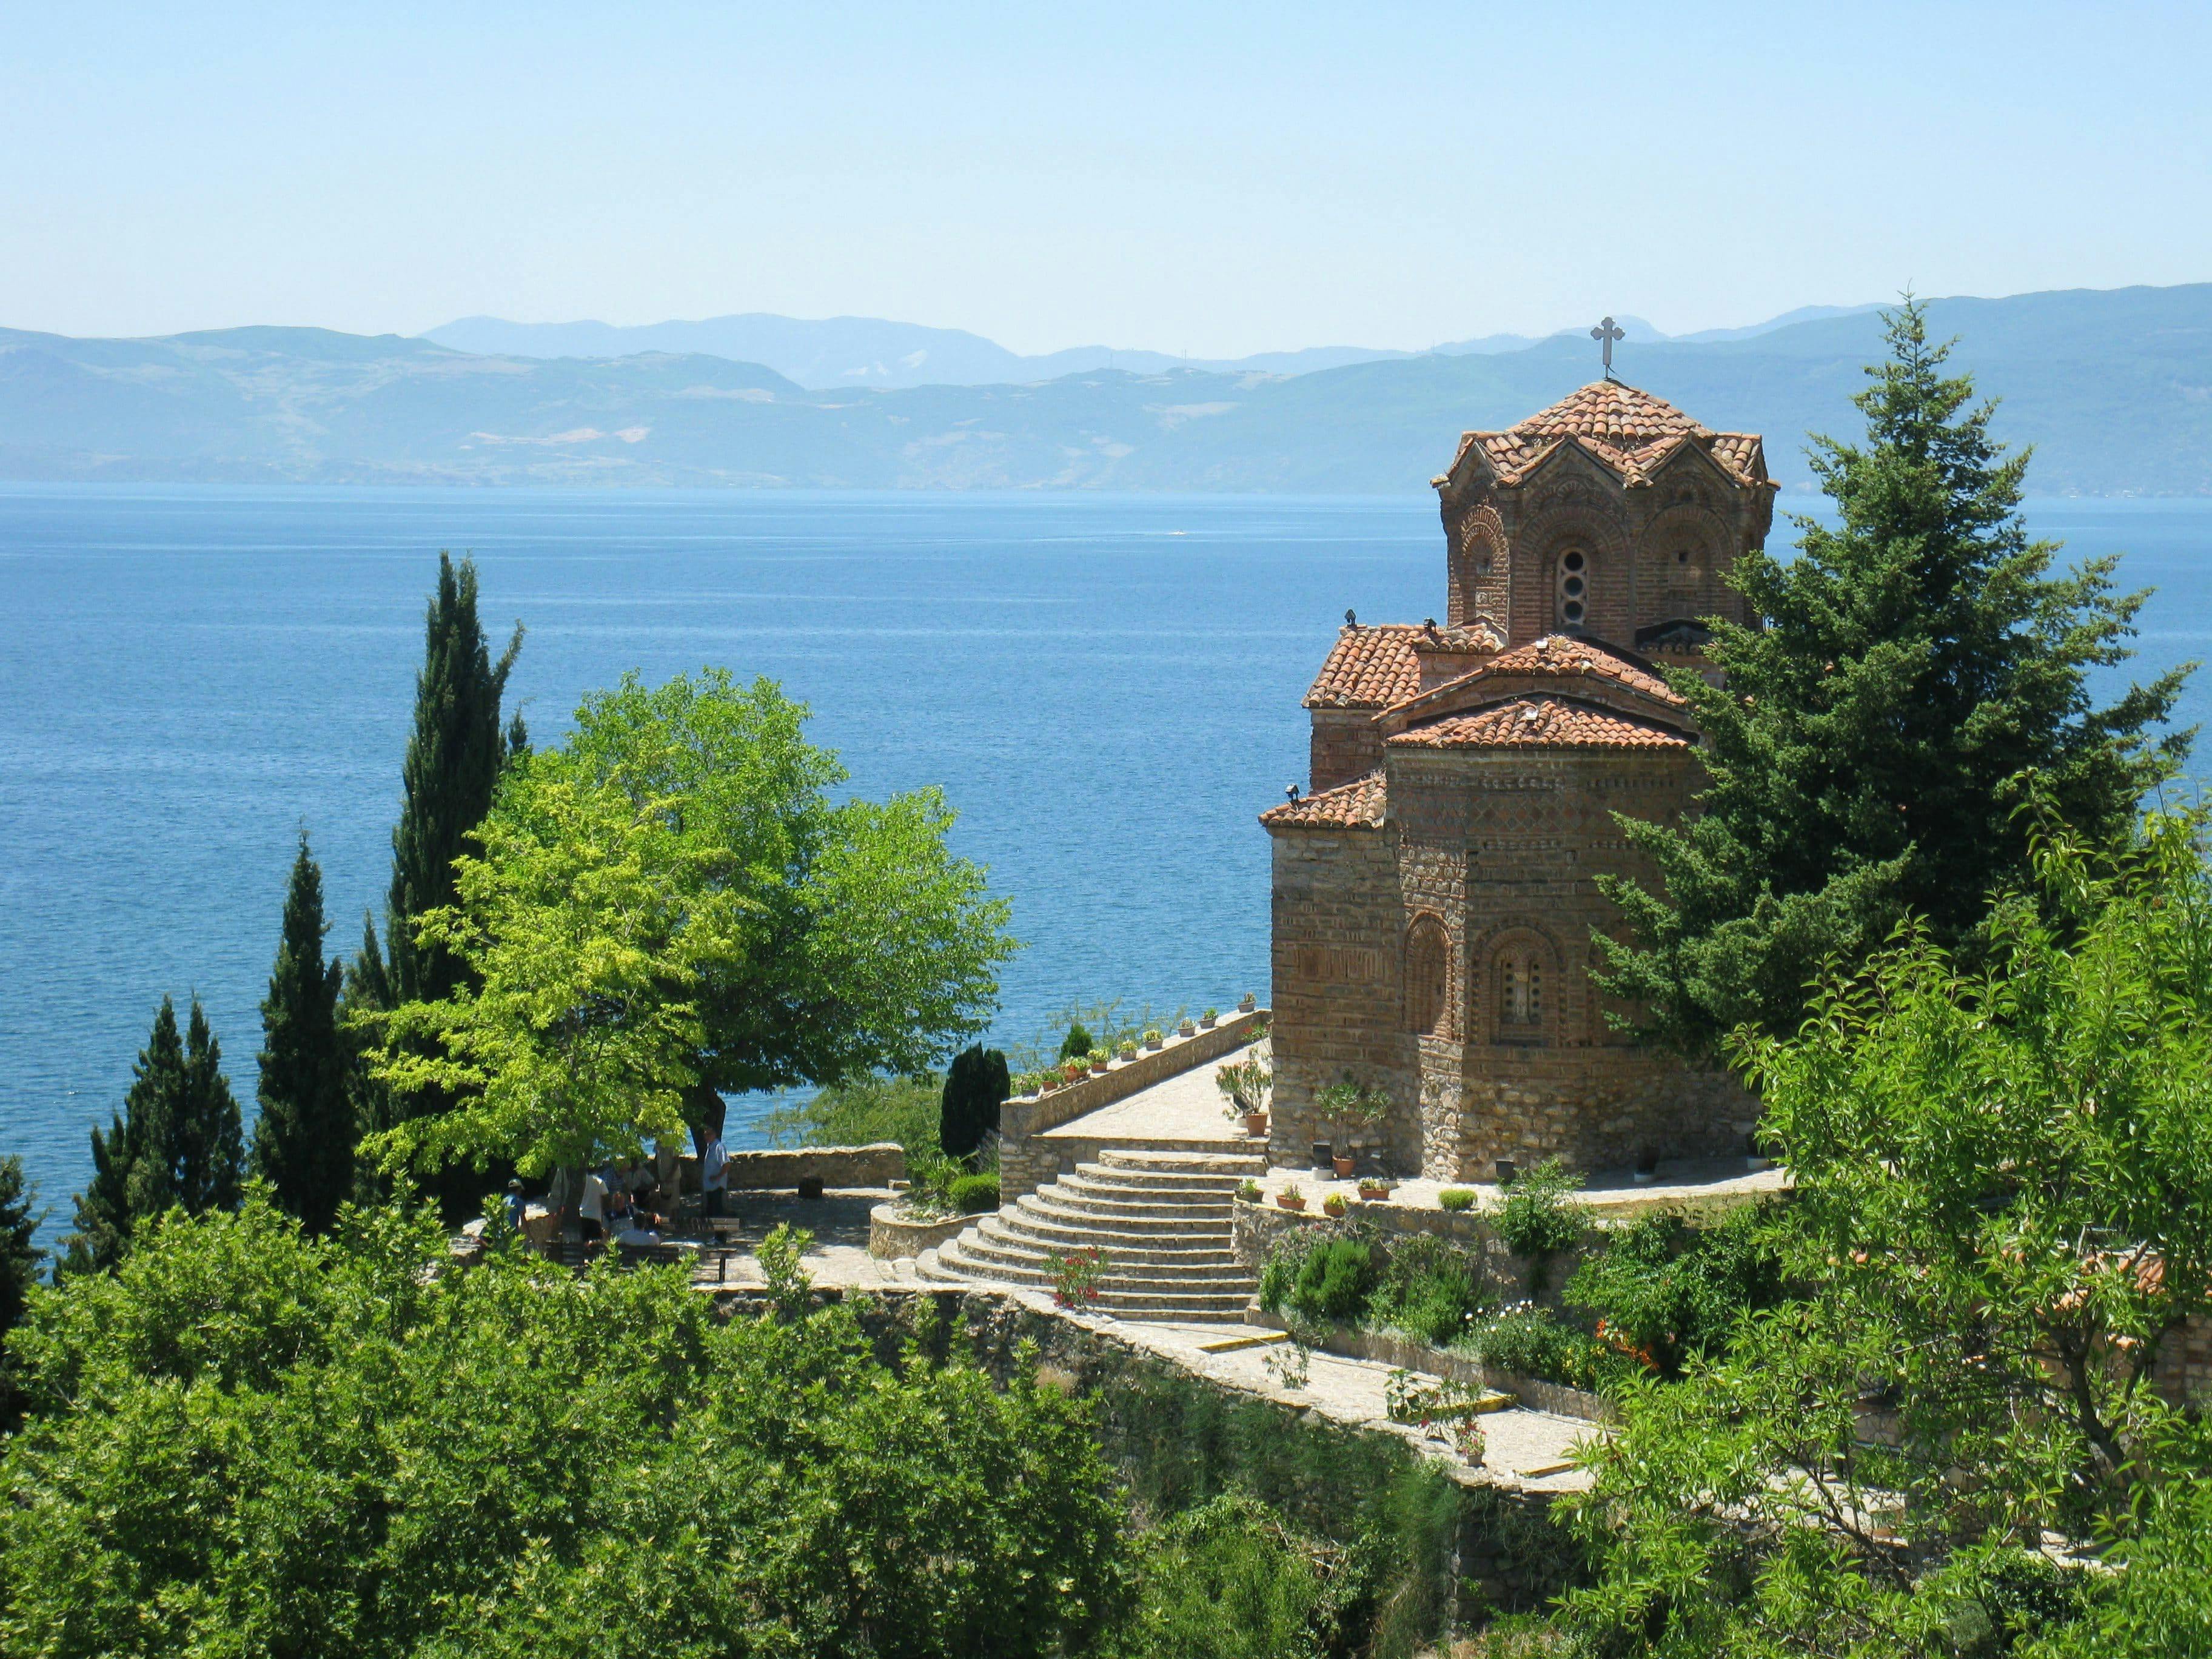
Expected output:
(1077, 1044)
(975, 1088)
(1664, 1291)
(1226, 1580)
(1456, 1198)
(972, 1195)
(1537, 1221)
(1531, 1342)
(1429, 1288)
(1335, 1282)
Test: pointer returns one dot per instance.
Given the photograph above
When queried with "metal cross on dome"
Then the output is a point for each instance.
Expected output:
(1605, 334)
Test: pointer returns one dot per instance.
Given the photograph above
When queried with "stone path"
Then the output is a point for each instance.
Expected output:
(1185, 1107)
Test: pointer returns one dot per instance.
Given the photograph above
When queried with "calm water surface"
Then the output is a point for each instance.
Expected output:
(1106, 687)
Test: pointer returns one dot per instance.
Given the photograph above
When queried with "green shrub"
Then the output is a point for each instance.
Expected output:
(1226, 1580)
(1429, 1288)
(1456, 1198)
(1537, 1221)
(930, 1179)
(972, 1195)
(1531, 1341)
(975, 1088)
(1335, 1282)
(906, 1109)
(1077, 1044)
(1666, 1291)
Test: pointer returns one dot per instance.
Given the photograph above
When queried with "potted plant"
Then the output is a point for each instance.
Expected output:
(1373, 1188)
(1244, 1084)
(1100, 1059)
(1184, 1028)
(1153, 1037)
(1291, 1198)
(1358, 1106)
(1249, 1003)
(1208, 1017)
(1333, 1204)
(1248, 1191)
(1129, 1051)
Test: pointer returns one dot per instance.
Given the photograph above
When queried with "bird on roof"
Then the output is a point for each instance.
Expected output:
(1291, 793)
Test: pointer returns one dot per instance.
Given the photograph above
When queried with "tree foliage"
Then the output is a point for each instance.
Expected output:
(1917, 661)
(248, 1441)
(178, 1142)
(2003, 1212)
(303, 1140)
(672, 904)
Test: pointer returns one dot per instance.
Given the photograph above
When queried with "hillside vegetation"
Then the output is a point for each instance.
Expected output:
(2114, 389)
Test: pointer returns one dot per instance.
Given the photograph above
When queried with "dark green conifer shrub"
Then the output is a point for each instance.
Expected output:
(975, 1088)
(973, 1194)
(1077, 1044)
(304, 1139)
(1334, 1284)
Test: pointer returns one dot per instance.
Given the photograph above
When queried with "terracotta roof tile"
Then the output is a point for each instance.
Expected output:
(1564, 654)
(1355, 805)
(1632, 430)
(1538, 723)
(1369, 667)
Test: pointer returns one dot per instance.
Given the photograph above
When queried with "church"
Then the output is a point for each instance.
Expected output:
(1435, 890)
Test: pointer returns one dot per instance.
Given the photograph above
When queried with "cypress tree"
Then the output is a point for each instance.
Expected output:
(303, 1141)
(453, 759)
(1919, 664)
(975, 1087)
(455, 754)
(177, 1141)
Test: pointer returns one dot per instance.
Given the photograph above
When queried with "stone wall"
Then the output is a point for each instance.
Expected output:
(876, 1165)
(1254, 1229)
(1345, 746)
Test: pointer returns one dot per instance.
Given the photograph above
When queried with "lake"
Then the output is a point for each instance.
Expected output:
(1106, 687)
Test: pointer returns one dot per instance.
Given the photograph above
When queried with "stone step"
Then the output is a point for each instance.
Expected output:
(1141, 1248)
(1188, 1228)
(1209, 1163)
(980, 1246)
(1072, 1194)
(1111, 1177)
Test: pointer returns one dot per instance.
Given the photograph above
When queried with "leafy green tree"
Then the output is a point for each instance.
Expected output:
(672, 905)
(22, 1264)
(2003, 1213)
(975, 1087)
(248, 1440)
(1917, 661)
(303, 1140)
(177, 1143)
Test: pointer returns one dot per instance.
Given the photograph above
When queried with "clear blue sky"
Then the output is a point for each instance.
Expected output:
(1219, 179)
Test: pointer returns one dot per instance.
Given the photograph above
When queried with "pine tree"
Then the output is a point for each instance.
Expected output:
(1866, 756)
(975, 1087)
(178, 1141)
(454, 757)
(303, 1141)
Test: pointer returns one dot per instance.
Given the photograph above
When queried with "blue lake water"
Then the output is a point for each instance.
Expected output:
(1106, 687)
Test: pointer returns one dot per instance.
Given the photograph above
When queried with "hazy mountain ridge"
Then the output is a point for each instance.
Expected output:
(2113, 387)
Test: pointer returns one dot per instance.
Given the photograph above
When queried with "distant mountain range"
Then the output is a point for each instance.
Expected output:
(2114, 388)
(831, 353)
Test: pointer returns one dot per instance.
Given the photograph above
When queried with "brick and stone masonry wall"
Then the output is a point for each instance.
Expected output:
(1027, 1161)
(876, 1165)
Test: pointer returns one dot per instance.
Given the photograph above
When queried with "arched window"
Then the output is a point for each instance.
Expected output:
(1574, 580)
(1427, 955)
(1518, 976)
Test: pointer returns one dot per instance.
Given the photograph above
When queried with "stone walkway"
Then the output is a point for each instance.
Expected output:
(1185, 1107)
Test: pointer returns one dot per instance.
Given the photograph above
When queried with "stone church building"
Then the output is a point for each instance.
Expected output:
(1435, 892)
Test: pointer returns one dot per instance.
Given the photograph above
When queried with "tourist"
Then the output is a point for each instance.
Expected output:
(715, 1174)
(515, 1204)
(592, 1208)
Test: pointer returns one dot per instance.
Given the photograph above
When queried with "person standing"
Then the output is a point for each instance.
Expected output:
(715, 1174)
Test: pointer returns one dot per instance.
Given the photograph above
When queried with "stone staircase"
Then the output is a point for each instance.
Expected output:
(1162, 1218)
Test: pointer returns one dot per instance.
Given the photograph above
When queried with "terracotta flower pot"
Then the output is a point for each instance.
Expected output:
(1255, 1125)
(1343, 1168)
(1374, 1189)
(1333, 1204)
(1291, 1201)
